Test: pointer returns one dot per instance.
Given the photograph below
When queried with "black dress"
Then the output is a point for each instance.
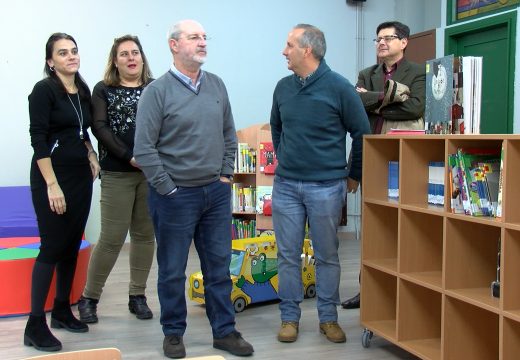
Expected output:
(55, 133)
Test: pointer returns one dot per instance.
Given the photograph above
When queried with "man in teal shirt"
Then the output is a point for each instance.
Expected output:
(312, 112)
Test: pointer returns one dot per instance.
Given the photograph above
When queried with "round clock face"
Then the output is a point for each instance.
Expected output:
(439, 83)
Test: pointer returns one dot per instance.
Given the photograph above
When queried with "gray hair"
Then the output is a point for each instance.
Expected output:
(314, 38)
(175, 31)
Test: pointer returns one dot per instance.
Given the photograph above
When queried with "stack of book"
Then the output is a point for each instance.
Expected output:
(245, 161)
(474, 181)
(243, 198)
(242, 228)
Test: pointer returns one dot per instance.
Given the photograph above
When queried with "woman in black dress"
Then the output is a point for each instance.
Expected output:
(63, 168)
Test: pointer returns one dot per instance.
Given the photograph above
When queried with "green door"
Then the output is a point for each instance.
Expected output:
(493, 39)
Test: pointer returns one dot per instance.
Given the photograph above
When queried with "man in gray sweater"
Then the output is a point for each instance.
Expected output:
(185, 143)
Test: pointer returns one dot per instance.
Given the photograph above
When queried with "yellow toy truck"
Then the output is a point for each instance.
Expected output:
(254, 272)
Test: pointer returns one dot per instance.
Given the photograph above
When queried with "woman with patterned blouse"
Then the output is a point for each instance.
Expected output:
(124, 189)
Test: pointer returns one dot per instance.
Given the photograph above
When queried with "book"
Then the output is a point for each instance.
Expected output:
(393, 179)
(453, 95)
(268, 161)
(439, 95)
(500, 184)
(456, 205)
(405, 132)
(436, 182)
(264, 200)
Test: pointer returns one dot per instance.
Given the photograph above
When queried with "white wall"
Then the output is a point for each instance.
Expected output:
(245, 50)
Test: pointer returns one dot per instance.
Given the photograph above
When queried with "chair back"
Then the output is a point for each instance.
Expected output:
(92, 354)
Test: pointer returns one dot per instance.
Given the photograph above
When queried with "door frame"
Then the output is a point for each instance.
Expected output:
(508, 19)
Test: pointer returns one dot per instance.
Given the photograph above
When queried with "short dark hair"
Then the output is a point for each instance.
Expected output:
(401, 30)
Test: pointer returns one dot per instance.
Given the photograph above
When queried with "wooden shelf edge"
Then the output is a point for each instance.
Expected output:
(475, 297)
(425, 209)
(384, 265)
(382, 202)
(485, 220)
(386, 329)
(420, 278)
(423, 348)
(512, 314)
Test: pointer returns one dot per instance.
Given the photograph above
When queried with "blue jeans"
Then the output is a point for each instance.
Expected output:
(203, 214)
(321, 202)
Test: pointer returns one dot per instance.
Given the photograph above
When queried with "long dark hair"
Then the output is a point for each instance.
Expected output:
(112, 77)
(82, 86)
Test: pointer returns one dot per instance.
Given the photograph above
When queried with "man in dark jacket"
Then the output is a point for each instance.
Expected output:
(392, 91)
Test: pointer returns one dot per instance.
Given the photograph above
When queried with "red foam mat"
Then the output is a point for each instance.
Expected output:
(15, 286)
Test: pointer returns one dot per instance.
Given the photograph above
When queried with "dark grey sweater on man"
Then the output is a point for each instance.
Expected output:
(183, 137)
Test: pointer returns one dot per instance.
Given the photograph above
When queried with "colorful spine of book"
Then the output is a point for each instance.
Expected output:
(500, 184)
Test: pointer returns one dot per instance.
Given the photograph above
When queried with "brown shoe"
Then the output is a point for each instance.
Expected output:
(333, 332)
(288, 331)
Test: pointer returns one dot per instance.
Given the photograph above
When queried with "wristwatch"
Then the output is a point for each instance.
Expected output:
(230, 177)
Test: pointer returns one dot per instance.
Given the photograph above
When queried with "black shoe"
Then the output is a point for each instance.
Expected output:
(87, 308)
(352, 303)
(137, 305)
(62, 317)
(234, 344)
(173, 347)
(37, 334)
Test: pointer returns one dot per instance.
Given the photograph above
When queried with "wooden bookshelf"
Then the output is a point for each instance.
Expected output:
(426, 272)
(254, 135)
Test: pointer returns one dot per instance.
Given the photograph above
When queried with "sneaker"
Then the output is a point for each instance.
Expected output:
(288, 331)
(333, 332)
(173, 347)
(234, 344)
(87, 308)
(137, 305)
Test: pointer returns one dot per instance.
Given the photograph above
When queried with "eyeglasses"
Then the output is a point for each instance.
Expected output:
(386, 38)
(196, 37)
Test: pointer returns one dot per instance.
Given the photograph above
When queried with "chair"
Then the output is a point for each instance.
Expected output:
(92, 354)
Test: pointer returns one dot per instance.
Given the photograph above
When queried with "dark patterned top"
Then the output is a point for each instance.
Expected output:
(114, 110)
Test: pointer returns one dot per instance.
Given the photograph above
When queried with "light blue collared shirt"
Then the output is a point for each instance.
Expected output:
(187, 79)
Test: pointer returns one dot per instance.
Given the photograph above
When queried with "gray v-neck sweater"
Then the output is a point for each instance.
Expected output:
(183, 137)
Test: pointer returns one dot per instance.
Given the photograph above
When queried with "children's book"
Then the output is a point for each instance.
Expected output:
(268, 160)
(264, 200)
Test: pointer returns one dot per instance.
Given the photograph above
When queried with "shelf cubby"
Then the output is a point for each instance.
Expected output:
(471, 261)
(419, 320)
(511, 342)
(510, 270)
(510, 184)
(378, 311)
(421, 248)
(375, 176)
(379, 245)
(416, 154)
(470, 332)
